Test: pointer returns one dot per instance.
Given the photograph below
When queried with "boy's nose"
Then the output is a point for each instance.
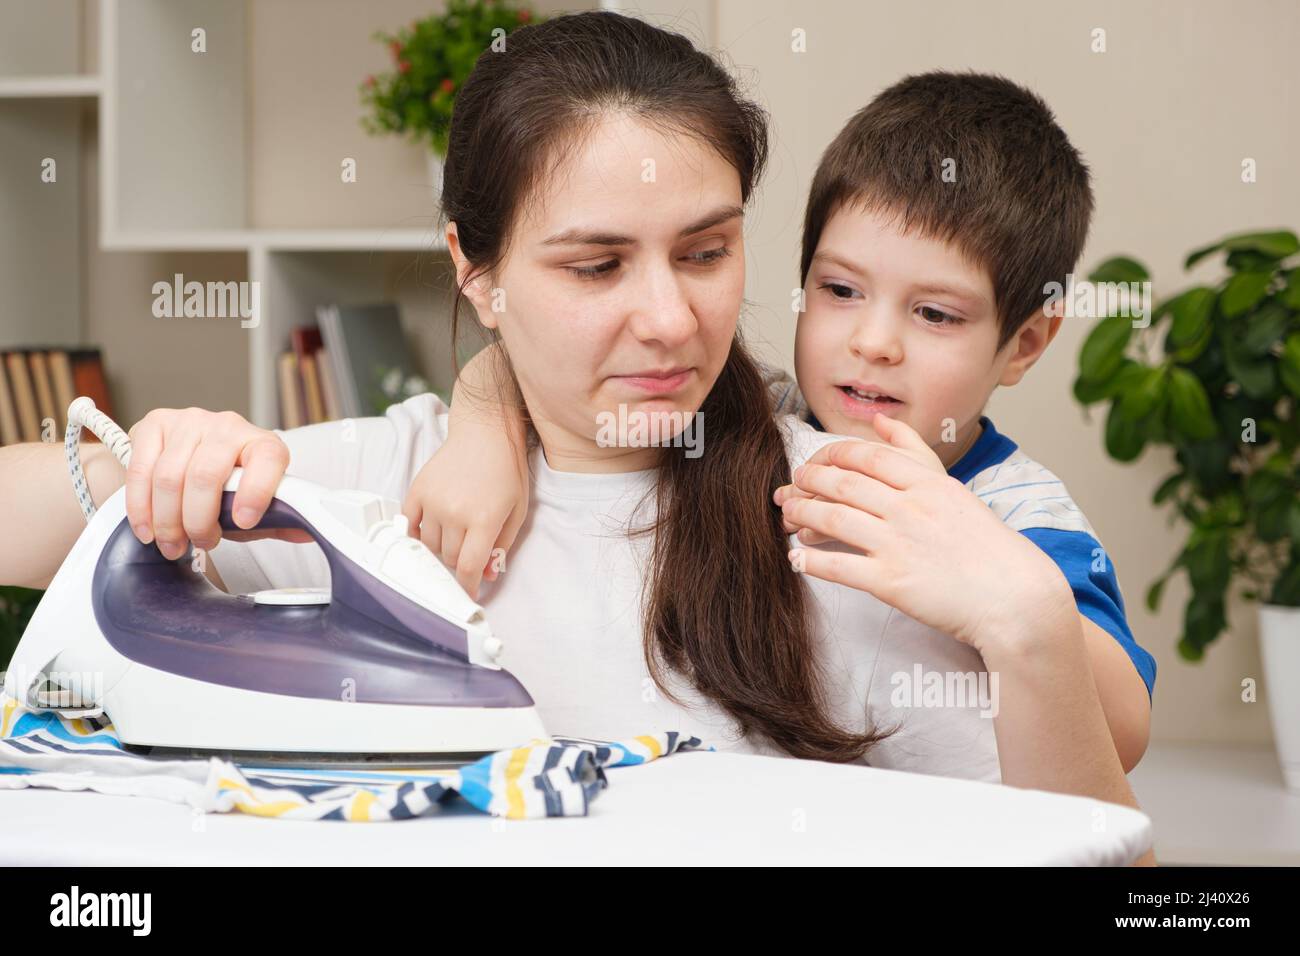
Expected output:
(877, 338)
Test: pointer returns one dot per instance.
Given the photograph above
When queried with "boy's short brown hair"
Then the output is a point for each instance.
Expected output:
(1020, 199)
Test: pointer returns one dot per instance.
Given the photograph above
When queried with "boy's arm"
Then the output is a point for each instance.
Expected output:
(1052, 732)
(470, 499)
(486, 395)
(1114, 657)
(1123, 694)
(1123, 670)
(1001, 594)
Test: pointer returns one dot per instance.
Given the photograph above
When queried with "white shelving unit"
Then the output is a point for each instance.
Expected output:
(51, 87)
(173, 176)
(193, 194)
(41, 235)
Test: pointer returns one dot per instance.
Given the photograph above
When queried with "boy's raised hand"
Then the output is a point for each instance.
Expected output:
(468, 503)
(929, 547)
(900, 435)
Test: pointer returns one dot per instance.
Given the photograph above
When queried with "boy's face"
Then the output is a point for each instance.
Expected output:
(906, 316)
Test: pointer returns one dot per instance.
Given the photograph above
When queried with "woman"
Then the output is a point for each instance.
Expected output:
(594, 184)
(612, 287)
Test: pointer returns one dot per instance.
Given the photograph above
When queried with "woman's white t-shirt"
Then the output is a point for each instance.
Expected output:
(568, 607)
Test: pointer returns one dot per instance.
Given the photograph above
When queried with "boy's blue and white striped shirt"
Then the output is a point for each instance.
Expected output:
(1032, 500)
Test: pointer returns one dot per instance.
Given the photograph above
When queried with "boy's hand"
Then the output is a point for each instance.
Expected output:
(468, 503)
(900, 435)
(929, 546)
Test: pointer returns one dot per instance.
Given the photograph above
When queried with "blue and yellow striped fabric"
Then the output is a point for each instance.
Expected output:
(544, 778)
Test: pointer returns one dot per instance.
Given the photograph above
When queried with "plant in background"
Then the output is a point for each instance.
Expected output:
(1215, 376)
(16, 607)
(391, 386)
(432, 58)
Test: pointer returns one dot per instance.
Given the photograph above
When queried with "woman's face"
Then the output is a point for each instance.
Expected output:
(620, 292)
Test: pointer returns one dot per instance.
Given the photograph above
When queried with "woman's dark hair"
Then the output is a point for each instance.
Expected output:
(722, 606)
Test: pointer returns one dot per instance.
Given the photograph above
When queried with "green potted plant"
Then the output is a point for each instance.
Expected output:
(16, 607)
(432, 58)
(1214, 373)
(391, 385)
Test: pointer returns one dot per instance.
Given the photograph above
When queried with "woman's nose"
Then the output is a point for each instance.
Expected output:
(663, 310)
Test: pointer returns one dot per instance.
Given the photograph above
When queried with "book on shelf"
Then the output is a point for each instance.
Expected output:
(38, 384)
(311, 389)
(367, 350)
(337, 369)
(305, 381)
(307, 346)
(290, 383)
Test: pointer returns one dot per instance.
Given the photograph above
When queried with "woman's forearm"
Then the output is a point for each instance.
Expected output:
(40, 518)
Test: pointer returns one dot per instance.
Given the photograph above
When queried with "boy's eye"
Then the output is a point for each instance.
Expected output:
(929, 314)
(837, 290)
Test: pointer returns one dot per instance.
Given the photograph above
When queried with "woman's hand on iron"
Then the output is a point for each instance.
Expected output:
(180, 462)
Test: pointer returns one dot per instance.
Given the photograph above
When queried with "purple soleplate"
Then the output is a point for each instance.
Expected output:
(369, 643)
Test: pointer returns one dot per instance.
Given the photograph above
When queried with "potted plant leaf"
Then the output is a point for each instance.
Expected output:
(16, 608)
(432, 58)
(1214, 374)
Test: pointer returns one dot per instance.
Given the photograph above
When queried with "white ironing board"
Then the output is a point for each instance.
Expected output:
(687, 808)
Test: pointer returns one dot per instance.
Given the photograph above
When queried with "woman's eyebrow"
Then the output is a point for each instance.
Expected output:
(587, 237)
(715, 218)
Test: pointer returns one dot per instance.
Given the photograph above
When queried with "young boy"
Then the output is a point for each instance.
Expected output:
(936, 220)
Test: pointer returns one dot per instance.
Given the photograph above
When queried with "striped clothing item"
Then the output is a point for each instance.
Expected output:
(1033, 500)
(544, 778)
(1024, 494)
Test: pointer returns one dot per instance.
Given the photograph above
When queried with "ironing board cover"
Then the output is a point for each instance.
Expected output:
(553, 777)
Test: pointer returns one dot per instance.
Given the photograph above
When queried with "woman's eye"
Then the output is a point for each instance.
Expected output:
(609, 265)
(593, 272)
(837, 290)
(928, 313)
(710, 255)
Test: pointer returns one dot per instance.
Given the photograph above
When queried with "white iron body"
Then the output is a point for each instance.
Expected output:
(151, 706)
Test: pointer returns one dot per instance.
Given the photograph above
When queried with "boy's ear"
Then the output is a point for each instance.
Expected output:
(1028, 344)
(476, 289)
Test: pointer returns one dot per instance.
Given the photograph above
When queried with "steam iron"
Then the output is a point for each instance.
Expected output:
(393, 664)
